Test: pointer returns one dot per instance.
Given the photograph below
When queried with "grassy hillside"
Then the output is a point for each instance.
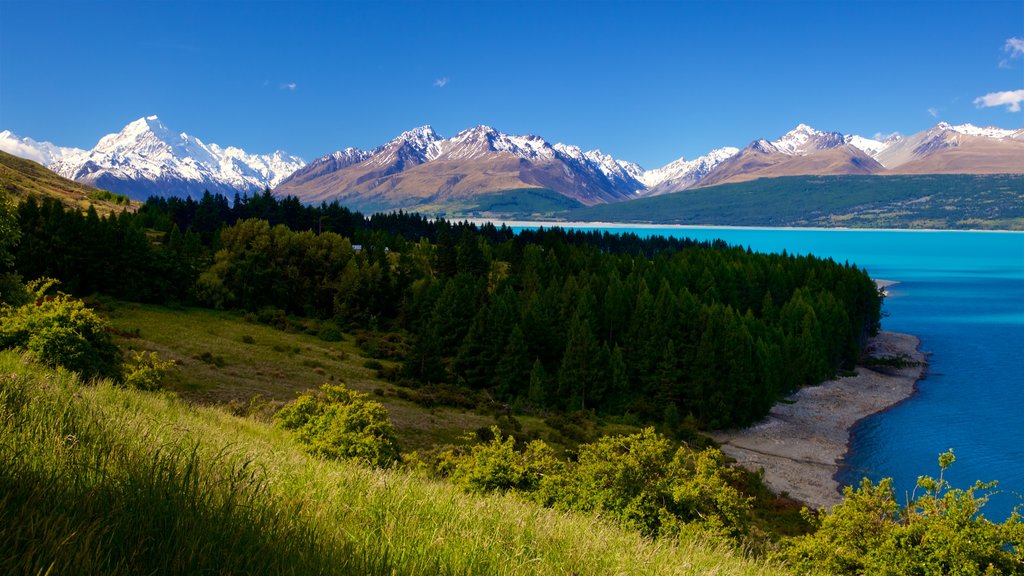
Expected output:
(101, 480)
(222, 359)
(927, 201)
(23, 178)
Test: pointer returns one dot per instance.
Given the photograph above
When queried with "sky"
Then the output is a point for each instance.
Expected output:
(645, 81)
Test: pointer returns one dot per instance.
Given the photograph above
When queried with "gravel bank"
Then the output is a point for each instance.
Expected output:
(802, 440)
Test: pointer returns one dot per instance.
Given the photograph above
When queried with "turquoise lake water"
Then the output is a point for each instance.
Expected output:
(962, 293)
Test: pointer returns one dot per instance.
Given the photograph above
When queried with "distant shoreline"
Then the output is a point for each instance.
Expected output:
(650, 226)
(802, 442)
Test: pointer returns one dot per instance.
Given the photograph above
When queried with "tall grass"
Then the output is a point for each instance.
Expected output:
(100, 480)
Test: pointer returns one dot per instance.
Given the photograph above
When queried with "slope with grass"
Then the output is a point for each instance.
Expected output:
(251, 367)
(101, 480)
(23, 178)
(925, 201)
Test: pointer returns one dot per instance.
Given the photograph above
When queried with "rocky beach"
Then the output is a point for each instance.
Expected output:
(802, 441)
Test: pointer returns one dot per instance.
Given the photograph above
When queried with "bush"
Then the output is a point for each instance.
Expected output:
(649, 485)
(335, 422)
(60, 331)
(330, 333)
(497, 466)
(940, 532)
(146, 371)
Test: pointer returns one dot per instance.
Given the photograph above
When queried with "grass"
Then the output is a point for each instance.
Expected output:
(23, 178)
(101, 480)
(224, 360)
(251, 368)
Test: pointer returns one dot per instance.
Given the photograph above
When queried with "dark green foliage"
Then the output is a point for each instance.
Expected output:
(549, 319)
(60, 331)
(336, 422)
(940, 532)
(932, 201)
(524, 202)
(9, 232)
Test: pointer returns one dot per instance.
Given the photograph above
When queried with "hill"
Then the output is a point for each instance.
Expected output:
(144, 483)
(23, 178)
(955, 201)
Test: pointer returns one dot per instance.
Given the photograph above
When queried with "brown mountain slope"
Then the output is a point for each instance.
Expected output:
(754, 158)
(23, 178)
(843, 160)
(972, 155)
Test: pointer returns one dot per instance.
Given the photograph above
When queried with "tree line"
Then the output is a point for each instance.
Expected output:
(663, 329)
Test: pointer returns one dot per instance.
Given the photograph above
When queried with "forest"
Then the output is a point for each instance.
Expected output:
(660, 330)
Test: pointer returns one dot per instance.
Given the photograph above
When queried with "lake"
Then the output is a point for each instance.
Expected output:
(962, 293)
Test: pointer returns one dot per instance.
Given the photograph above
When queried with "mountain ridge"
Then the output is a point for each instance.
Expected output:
(420, 169)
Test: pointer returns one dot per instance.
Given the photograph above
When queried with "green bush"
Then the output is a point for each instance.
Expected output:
(146, 370)
(60, 331)
(330, 333)
(335, 422)
(649, 484)
(940, 532)
(642, 480)
(497, 466)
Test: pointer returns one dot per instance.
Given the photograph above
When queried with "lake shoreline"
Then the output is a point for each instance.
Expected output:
(652, 226)
(803, 441)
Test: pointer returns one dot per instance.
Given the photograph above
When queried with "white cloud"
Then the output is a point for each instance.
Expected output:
(440, 82)
(21, 150)
(934, 112)
(289, 86)
(1011, 99)
(1015, 48)
(883, 137)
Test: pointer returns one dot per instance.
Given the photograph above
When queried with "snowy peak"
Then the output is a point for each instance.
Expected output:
(682, 173)
(422, 140)
(482, 140)
(146, 157)
(987, 132)
(45, 153)
(763, 146)
(804, 140)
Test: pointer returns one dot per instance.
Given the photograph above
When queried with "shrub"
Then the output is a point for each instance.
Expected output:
(940, 532)
(330, 333)
(497, 466)
(60, 331)
(335, 422)
(646, 484)
(146, 370)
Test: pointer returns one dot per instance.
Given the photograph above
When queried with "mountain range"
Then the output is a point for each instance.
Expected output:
(422, 170)
(146, 159)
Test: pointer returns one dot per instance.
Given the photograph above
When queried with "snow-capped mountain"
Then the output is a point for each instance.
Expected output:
(145, 158)
(682, 173)
(44, 153)
(961, 149)
(421, 169)
(804, 140)
(870, 146)
(419, 166)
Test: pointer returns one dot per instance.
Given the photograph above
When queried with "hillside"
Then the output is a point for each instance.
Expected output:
(175, 489)
(898, 201)
(23, 178)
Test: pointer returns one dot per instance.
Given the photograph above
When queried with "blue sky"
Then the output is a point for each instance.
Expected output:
(643, 81)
